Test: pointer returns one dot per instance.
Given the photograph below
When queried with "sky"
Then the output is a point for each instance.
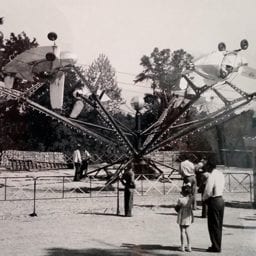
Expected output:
(126, 30)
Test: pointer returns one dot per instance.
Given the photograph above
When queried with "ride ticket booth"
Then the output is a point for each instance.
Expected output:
(250, 142)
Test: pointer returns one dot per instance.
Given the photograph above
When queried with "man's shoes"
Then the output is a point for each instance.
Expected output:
(211, 249)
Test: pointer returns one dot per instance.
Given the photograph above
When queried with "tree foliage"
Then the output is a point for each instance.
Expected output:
(15, 45)
(102, 70)
(30, 130)
(164, 68)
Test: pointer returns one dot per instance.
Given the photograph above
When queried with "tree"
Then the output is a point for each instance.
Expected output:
(107, 81)
(164, 68)
(61, 136)
(13, 46)
(14, 127)
(33, 131)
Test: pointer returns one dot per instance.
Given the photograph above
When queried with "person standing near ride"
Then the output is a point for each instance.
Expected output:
(185, 215)
(85, 162)
(128, 180)
(213, 197)
(77, 161)
(201, 179)
(187, 172)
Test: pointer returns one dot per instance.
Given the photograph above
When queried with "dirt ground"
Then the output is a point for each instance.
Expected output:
(91, 226)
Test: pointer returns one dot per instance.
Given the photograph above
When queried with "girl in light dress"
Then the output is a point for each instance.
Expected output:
(185, 214)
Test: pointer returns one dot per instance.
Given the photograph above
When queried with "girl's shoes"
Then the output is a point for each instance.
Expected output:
(189, 249)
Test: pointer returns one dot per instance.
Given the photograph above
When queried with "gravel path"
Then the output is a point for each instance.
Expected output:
(79, 227)
(90, 226)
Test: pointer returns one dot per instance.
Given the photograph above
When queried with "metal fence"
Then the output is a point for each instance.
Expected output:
(63, 187)
(239, 182)
(52, 187)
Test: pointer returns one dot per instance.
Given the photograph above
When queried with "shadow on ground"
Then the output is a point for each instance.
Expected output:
(98, 189)
(250, 218)
(157, 247)
(238, 226)
(175, 214)
(101, 213)
(231, 204)
(237, 204)
(87, 252)
(125, 250)
(155, 205)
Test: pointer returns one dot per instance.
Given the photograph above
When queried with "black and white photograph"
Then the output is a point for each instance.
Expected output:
(127, 128)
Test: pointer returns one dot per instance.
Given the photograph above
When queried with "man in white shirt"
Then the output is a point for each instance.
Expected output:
(213, 197)
(77, 160)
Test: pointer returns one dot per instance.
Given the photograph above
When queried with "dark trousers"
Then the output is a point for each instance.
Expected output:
(128, 201)
(83, 169)
(204, 204)
(77, 171)
(204, 208)
(192, 181)
(215, 221)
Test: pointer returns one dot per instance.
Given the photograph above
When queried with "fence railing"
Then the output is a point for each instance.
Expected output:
(238, 182)
(52, 187)
(147, 184)
(63, 187)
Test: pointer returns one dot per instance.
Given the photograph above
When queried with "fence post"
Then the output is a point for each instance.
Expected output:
(229, 183)
(141, 183)
(63, 189)
(117, 202)
(5, 189)
(33, 214)
(250, 187)
(254, 177)
(163, 183)
(90, 179)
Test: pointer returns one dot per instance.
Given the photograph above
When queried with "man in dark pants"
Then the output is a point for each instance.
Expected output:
(85, 162)
(213, 197)
(204, 177)
(201, 179)
(129, 186)
(77, 160)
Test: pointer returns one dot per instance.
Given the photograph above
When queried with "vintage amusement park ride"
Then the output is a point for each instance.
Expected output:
(216, 70)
